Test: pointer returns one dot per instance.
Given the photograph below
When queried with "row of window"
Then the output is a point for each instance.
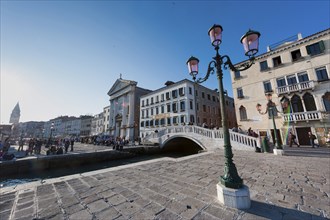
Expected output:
(175, 94)
(168, 95)
(321, 74)
(312, 50)
(173, 107)
(167, 121)
(170, 107)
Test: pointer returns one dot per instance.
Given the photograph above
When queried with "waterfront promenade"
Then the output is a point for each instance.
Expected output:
(281, 187)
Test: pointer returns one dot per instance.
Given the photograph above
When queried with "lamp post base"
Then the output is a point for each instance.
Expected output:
(234, 198)
(279, 152)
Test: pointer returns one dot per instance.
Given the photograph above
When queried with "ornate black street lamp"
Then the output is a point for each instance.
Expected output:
(250, 42)
(271, 108)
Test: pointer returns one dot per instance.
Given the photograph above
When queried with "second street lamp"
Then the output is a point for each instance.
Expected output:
(250, 41)
(50, 142)
(272, 110)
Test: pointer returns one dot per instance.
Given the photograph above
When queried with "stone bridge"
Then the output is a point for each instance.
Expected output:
(206, 139)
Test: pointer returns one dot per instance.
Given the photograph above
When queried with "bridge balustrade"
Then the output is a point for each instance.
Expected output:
(195, 131)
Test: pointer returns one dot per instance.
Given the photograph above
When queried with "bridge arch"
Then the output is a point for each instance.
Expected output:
(182, 143)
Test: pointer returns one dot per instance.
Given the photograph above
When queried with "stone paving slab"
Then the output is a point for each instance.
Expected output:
(280, 187)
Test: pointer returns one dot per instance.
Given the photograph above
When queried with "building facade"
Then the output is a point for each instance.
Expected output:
(295, 73)
(124, 112)
(31, 129)
(106, 120)
(182, 103)
(71, 127)
(97, 126)
(86, 125)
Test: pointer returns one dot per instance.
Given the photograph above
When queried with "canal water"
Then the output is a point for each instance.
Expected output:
(6, 181)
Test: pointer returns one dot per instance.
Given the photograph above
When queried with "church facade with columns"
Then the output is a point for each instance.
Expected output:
(125, 109)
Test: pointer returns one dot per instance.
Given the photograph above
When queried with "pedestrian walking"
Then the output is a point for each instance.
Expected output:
(20, 145)
(292, 140)
(312, 138)
(72, 143)
(37, 148)
(31, 146)
(66, 145)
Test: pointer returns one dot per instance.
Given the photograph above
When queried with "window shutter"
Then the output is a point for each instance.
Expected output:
(322, 47)
(308, 50)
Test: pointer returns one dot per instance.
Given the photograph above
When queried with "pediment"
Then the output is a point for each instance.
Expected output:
(119, 85)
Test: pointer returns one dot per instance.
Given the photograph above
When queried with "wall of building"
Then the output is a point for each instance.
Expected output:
(181, 103)
(297, 63)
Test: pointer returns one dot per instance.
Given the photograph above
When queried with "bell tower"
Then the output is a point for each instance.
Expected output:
(15, 115)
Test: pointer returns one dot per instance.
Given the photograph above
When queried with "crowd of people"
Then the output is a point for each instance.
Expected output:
(56, 146)
(34, 145)
(4, 150)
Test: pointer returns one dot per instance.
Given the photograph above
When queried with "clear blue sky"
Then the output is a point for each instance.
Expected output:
(62, 57)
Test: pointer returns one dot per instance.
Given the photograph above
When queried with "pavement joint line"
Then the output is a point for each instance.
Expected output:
(14, 206)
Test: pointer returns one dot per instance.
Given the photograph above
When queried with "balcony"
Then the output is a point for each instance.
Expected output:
(306, 116)
(295, 88)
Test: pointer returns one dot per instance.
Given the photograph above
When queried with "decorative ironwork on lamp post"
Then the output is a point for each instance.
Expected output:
(250, 42)
(271, 108)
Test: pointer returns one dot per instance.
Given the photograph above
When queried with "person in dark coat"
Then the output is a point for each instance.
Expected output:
(66, 145)
(312, 138)
(292, 140)
(72, 143)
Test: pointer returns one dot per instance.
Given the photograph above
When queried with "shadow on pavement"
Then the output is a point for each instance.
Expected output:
(270, 211)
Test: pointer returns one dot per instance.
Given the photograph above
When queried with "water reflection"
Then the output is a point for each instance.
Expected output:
(14, 182)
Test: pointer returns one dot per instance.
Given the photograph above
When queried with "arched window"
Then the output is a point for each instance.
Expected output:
(326, 101)
(296, 104)
(242, 113)
(309, 102)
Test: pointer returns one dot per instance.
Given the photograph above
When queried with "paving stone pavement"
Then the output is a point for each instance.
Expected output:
(281, 187)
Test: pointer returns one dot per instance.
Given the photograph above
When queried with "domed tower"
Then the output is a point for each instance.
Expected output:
(15, 115)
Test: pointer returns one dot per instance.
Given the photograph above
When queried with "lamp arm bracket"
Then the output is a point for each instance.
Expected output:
(242, 67)
(210, 70)
(263, 113)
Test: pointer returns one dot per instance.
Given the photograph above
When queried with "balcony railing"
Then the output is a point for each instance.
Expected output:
(295, 87)
(306, 116)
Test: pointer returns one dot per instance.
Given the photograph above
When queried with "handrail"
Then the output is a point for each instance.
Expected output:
(216, 134)
(303, 116)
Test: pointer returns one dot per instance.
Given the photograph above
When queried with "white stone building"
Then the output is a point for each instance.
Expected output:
(86, 124)
(106, 120)
(125, 108)
(296, 73)
(71, 127)
(182, 103)
(97, 126)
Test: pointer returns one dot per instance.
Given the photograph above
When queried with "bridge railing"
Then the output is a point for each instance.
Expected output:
(239, 138)
(245, 139)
